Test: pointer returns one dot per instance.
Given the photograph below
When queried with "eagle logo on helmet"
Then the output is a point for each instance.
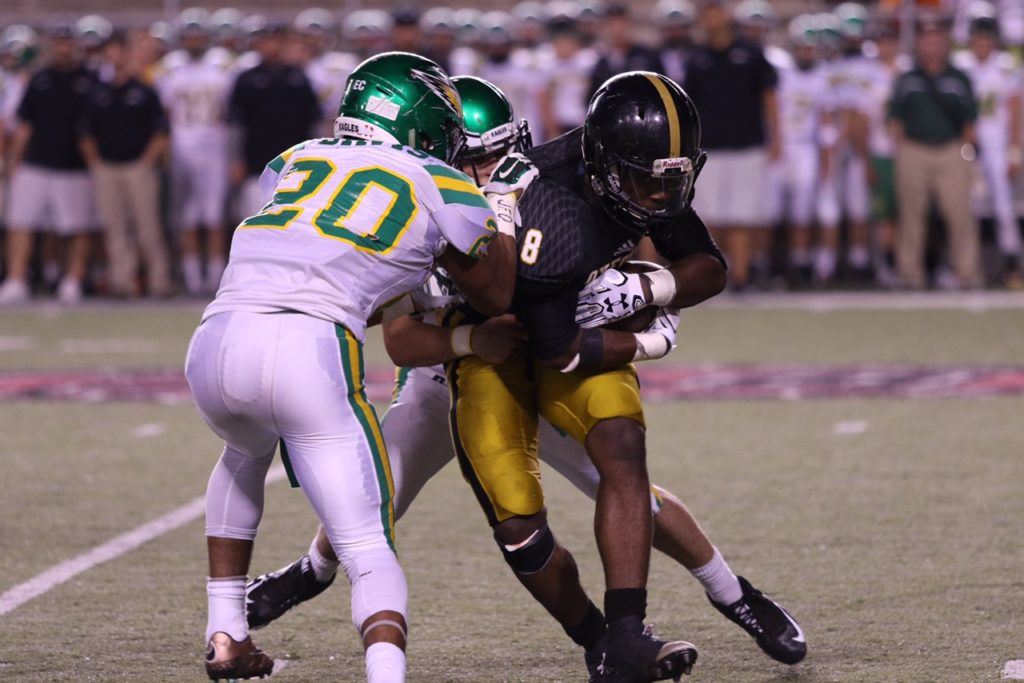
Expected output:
(440, 87)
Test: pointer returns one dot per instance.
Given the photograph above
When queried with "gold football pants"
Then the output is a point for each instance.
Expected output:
(494, 416)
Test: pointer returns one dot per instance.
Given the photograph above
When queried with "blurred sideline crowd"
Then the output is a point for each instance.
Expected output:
(836, 159)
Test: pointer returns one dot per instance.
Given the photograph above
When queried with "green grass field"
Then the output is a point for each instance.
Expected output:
(899, 547)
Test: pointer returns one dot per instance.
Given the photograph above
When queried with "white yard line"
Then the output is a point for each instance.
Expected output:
(849, 427)
(17, 596)
(1014, 670)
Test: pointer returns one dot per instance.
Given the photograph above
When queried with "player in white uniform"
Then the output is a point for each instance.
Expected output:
(996, 79)
(352, 223)
(805, 114)
(515, 72)
(881, 72)
(568, 64)
(416, 425)
(855, 72)
(326, 68)
(195, 93)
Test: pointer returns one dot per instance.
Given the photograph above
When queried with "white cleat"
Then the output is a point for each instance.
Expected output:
(14, 292)
(69, 292)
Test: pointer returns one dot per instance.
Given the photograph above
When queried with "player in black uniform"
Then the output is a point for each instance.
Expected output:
(628, 172)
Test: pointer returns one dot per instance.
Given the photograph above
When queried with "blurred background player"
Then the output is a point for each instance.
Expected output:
(675, 20)
(996, 79)
(124, 142)
(50, 188)
(734, 89)
(515, 73)
(618, 50)
(881, 71)
(568, 65)
(439, 33)
(272, 107)
(326, 67)
(806, 113)
(366, 32)
(195, 93)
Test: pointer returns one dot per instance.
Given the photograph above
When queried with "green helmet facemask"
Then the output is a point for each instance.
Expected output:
(403, 98)
(491, 128)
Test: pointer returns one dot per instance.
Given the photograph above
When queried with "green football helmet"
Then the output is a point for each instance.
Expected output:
(403, 98)
(491, 128)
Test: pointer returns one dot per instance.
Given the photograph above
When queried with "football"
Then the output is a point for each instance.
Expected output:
(642, 319)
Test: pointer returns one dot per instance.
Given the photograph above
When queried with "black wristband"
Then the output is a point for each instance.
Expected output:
(591, 349)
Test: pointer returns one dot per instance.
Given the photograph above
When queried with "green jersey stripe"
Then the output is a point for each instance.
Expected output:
(465, 198)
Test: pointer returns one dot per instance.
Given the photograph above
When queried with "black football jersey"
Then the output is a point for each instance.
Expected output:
(564, 241)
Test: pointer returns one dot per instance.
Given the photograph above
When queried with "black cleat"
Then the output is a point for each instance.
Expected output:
(593, 658)
(269, 596)
(775, 631)
(635, 655)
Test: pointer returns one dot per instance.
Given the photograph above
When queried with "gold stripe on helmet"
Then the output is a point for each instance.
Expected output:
(670, 111)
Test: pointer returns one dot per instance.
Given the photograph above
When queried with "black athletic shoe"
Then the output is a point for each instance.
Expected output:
(635, 655)
(593, 658)
(775, 631)
(269, 596)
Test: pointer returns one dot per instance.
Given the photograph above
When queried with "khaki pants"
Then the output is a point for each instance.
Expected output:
(922, 172)
(127, 195)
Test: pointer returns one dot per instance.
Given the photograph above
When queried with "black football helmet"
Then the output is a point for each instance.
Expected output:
(641, 149)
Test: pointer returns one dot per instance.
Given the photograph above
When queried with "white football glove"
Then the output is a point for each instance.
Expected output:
(514, 173)
(658, 340)
(613, 295)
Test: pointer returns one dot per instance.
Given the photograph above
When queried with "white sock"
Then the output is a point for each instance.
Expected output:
(192, 271)
(385, 663)
(718, 580)
(323, 568)
(226, 601)
(859, 257)
(214, 272)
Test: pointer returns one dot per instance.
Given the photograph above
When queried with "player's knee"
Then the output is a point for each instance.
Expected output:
(518, 492)
(527, 545)
(619, 443)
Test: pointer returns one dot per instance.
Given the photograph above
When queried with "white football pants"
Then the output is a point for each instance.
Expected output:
(258, 379)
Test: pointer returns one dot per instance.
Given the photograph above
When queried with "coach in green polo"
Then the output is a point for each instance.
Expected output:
(932, 114)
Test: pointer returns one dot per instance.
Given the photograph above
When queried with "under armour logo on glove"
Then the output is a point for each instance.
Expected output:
(514, 173)
(612, 296)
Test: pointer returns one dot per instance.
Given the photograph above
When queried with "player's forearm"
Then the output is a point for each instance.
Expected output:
(595, 349)
(698, 277)
(487, 282)
(413, 343)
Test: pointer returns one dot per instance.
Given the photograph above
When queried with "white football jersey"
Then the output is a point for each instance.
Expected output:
(350, 226)
(803, 97)
(195, 94)
(880, 78)
(568, 84)
(994, 82)
(523, 83)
